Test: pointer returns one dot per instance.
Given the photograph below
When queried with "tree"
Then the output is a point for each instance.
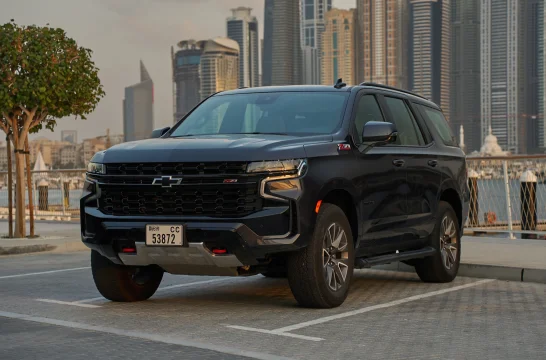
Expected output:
(44, 76)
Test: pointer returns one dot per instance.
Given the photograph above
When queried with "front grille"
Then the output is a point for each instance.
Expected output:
(189, 168)
(134, 194)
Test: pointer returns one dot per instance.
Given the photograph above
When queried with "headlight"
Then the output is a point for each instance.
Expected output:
(96, 168)
(285, 183)
(298, 165)
(281, 189)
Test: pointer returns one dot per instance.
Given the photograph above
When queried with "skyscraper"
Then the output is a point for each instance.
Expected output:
(338, 45)
(383, 42)
(533, 23)
(312, 26)
(186, 79)
(282, 58)
(138, 108)
(542, 78)
(430, 49)
(219, 66)
(503, 73)
(267, 47)
(243, 28)
(465, 71)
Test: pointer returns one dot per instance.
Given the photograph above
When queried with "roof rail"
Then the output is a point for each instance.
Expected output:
(392, 88)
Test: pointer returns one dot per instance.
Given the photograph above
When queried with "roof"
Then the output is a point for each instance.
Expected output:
(328, 88)
(221, 44)
(287, 88)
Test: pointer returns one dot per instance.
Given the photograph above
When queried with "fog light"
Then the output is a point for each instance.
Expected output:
(219, 251)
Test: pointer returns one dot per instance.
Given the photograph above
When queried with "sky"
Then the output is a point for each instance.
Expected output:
(122, 32)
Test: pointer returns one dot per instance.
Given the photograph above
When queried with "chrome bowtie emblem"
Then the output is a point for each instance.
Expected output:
(167, 181)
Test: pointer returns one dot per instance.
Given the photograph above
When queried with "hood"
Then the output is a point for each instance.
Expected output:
(205, 148)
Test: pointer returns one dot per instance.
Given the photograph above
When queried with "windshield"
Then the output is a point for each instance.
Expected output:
(290, 113)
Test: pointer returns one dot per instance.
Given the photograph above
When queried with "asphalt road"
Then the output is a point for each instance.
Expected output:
(50, 309)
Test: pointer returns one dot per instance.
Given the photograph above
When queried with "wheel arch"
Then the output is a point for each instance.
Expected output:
(451, 196)
(344, 197)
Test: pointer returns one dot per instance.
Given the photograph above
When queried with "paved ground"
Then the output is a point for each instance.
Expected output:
(56, 313)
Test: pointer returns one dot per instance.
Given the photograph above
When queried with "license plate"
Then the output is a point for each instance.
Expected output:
(164, 235)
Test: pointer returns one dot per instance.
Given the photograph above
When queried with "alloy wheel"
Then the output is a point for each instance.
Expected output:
(335, 256)
(448, 242)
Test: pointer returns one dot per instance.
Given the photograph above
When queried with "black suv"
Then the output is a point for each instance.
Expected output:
(304, 182)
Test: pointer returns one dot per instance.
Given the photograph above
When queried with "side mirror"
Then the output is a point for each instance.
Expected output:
(379, 133)
(157, 133)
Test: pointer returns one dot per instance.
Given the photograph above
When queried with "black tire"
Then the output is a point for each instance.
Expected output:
(276, 269)
(123, 283)
(307, 272)
(434, 269)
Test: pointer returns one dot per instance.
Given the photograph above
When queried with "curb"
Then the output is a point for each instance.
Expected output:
(56, 248)
(484, 271)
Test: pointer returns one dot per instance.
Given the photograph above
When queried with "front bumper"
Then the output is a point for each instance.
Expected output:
(248, 240)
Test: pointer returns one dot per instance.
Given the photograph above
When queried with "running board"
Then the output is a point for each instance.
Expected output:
(386, 259)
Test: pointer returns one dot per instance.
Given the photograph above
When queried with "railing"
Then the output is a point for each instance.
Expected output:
(56, 194)
(508, 194)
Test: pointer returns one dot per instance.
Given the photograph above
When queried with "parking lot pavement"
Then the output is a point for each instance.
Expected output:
(388, 315)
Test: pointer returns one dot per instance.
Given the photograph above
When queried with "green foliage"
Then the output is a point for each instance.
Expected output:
(42, 69)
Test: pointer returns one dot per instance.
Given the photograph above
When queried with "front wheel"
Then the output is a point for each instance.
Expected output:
(443, 266)
(320, 274)
(123, 283)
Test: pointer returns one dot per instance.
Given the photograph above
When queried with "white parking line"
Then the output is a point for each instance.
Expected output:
(163, 338)
(84, 302)
(273, 332)
(44, 272)
(284, 330)
(67, 303)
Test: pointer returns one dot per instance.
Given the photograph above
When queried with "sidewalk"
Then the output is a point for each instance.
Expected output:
(53, 236)
(497, 258)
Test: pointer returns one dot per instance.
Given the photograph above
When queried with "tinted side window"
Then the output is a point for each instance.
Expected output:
(408, 132)
(437, 119)
(368, 110)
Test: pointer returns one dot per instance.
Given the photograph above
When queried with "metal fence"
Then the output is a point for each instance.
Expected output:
(508, 194)
(55, 194)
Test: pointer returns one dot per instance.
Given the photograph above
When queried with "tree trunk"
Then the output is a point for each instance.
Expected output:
(20, 228)
(29, 187)
(10, 189)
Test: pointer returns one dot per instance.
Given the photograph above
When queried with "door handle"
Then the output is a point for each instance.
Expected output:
(398, 162)
(433, 163)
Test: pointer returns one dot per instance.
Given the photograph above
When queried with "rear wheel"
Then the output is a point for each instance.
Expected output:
(124, 283)
(446, 239)
(320, 274)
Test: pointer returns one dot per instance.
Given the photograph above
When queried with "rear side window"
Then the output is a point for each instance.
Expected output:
(408, 132)
(437, 119)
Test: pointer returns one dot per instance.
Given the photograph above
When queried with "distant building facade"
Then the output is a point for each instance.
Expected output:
(219, 68)
(138, 108)
(338, 45)
(383, 35)
(282, 43)
(267, 45)
(186, 80)
(465, 71)
(69, 135)
(503, 76)
(312, 27)
(430, 50)
(243, 28)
